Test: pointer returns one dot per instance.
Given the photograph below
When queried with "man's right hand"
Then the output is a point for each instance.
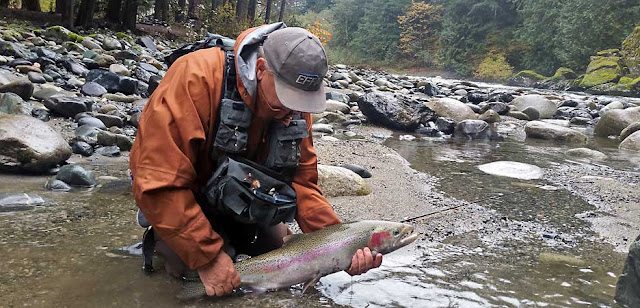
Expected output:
(220, 276)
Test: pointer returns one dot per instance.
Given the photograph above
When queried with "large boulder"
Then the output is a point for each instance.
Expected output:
(29, 145)
(548, 131)
(628, 286)
(525, 78)
(602, 70)
(394, 111)
(614, 121)
(473, 129)
(544, 106)
(452, 109)
(631, 143)
(629, 130)
(631, 52)
(338, 181)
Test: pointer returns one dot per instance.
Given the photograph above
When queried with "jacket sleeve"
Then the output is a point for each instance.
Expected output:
(170, 138)
(314, 210)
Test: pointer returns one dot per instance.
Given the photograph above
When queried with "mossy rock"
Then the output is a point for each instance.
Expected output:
(600, 76)
(530, 74)
(75, 38)
(74, 46)
(62, 34)
(92, 35)
(631, 52)
(614, 52)
(124, 36)
(525, 78)
(610, 89)
(37, 32)
(598, 62)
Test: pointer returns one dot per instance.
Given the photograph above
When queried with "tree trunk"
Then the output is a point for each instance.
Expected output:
(85, 13)
(31, 5)
(241, 10)
(4, 3)
(252, 10)
(282, 6)
(59, 6)
(267, 14)
(67, 14)
(161, 10)
(193, 6)
(182, 6)
(215, 4)
(113, 11)
(130, 15)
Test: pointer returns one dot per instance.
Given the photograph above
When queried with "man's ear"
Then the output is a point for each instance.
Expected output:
(261, 68)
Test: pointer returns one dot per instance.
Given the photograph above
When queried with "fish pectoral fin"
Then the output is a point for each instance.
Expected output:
(309, 284)
(291, 238)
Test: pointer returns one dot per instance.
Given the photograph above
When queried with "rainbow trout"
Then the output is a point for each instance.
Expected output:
(307, 257)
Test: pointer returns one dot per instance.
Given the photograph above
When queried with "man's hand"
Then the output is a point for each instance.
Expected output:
(220, 276)
(363, 261)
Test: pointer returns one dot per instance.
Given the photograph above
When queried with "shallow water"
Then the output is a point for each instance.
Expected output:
(59, 254)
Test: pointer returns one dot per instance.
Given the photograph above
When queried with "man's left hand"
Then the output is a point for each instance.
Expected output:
(363, 261)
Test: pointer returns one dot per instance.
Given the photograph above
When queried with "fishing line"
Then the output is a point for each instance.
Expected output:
(436, 212)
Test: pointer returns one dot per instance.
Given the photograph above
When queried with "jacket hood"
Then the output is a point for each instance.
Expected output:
(246, 51)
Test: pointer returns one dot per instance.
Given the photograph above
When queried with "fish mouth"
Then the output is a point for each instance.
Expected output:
(407, 237)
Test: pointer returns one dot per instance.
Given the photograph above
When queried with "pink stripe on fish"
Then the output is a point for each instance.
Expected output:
(310, 255)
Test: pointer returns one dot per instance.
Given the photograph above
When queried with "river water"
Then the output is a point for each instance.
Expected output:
(62, 254)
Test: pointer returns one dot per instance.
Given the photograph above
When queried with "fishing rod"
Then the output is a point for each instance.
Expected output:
(436, 212)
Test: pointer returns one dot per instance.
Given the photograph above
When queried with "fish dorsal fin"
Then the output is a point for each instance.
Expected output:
(291, 238)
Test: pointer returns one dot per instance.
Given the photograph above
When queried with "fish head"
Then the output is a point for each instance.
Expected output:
(388, 236)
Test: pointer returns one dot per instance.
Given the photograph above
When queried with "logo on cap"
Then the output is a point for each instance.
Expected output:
(307, 79)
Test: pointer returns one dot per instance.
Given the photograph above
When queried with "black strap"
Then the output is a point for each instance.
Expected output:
(148, 248)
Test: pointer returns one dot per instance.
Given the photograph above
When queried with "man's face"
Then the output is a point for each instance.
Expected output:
(267, 93)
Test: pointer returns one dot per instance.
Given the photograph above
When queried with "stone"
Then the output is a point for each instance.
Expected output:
(16, 63)
(632, 142)
(532, 113)
(109, 151)
(47, 91)
(154, 81)
(586, 154)
(75, 67)
(135, 119)
(110, 120)
(544, 106)
(148, 67)
(11, 103)
(19, 202)
(91, 121)
(364, 84)
(57, 185)
(93, 89)
(68, 106)
(148, 43)
(337, 96)
(90, 43)
(490, 116)
(22, 87)
(110, 43)
(548, 131)
(41, 114)
(82, 148)
(36, 77)
(322, 128)
(461, 92)
(499, 107)
(13, 50)
(74, 83)
(75, 175)
(452, 109)
(113, 82)
(628, 285)
(333, 106)
(394, 111)
(121, 97)
(359, 170)
(445, 125)
(29, 145)
(142, 74)
(512, 169)
(634, 127)
(337, 181)
(473, 130)
(27, 68)
(526, 78)
(87, 131)
(614, 121)
(127, 55)
(105, 60)
(580, 121)
(119, 69)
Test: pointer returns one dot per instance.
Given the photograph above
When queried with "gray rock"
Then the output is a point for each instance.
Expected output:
(364, 84)
(110, 120)
(337, 181)
(110, 43)
(322, 128)
(148, 43)
(445, 125)
(82, 148)
(91, 121)
(68, 106)
(337, 76)
(614, 121)
(29, 145)
(359, 170)
(148, 67)
(532, 113)
(586, 154)
(142, 74)
(19, 202)
(512, 169)
(75, 175)
(87, 131)
(75, 67)
(337, 96)
(93, 89)
(36, 77)
(121, 97)
(333, 106)
(119, 69)
(545, 107)
(547, 131)
(490, 116)
(580, 121)
(128, 56)
(57, 185)
(105, 60)
(499, 107)
(473, 130)
(11, 103)
(91, 43)
(22, 87)
(41, 114)
(628, 286)
(397, 112)
(629, 130)
(109, 151)
(113, 82)
(632, 142)
(452, 109)
(13, 50)
(47, 91)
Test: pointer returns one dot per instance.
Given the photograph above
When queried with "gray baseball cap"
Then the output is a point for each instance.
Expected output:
(298, 62)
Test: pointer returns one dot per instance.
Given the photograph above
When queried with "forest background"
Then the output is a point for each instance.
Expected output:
(486, 39)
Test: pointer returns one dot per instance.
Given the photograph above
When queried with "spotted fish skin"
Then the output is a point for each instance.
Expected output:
(305, 257)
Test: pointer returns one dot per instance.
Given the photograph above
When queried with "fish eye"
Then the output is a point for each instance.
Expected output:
(396, 232)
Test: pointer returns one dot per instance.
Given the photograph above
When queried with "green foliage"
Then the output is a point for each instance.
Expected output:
(420, 27)
(494, 66)
(124, 36)
(223, 21)
(378, 33)
(345, 16)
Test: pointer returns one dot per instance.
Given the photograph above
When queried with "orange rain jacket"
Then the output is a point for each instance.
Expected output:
(170, 159)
